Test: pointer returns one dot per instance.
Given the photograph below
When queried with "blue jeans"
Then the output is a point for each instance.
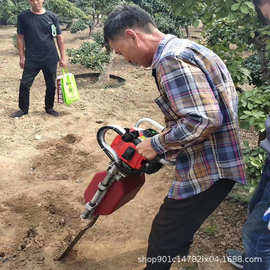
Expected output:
(256, 236)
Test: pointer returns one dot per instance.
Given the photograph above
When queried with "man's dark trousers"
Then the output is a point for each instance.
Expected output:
(29, 74)
(177, 221)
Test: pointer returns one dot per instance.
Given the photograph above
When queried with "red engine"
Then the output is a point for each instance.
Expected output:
(126, 150)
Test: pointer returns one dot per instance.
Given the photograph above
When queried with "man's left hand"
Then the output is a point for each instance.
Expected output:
(146, 150)
(266, 217)
(62, 63)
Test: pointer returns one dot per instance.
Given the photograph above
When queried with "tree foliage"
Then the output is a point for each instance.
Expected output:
(161, 11)
(254, 160)
(228, 29)
(252, 63)
(9, 9)
(66, 10)
(96, 9)
(80, 25)
(233, 29)
(90, 55)
(254, 106)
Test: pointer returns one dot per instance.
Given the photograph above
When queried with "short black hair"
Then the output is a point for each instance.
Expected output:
(126, 16)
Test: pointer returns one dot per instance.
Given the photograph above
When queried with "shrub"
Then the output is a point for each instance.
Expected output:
(254, 161)
(77, 26)
(90, 55)
(252, 63)
(98, 37)
(254, 106)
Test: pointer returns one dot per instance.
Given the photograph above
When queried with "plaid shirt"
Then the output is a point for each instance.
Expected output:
(199, 102)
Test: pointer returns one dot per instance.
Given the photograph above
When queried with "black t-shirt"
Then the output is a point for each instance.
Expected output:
(39, 31)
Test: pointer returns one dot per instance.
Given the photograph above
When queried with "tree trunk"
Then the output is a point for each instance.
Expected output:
(187, 31)
(104, 77)
(90, 29)
(68, 25)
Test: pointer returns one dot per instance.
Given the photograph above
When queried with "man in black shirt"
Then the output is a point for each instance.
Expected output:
(36, 30)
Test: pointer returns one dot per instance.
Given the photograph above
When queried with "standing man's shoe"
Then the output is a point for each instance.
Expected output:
(52, 112)
(19, 113)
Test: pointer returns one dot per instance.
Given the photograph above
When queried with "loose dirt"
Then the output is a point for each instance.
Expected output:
(46, 163)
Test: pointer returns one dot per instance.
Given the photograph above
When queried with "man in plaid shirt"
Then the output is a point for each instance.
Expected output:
(199, 102)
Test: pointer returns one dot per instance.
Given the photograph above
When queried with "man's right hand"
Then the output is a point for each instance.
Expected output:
(145, 149)
(22, 62)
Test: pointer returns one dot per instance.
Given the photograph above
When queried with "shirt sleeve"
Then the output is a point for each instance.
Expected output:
(57, 25)
(191, 100)
(20, 29)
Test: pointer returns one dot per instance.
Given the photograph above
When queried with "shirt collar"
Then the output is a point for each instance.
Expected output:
(160, 49)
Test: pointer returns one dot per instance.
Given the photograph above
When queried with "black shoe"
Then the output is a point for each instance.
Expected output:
(236, 258)
(52, 112)
(19, 113)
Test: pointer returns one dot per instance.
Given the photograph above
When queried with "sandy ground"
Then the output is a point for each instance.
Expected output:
(46, 163)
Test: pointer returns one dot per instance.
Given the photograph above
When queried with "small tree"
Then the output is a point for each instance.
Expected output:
(81, 25)
(89, 55)
(94, 56)
(95, 11)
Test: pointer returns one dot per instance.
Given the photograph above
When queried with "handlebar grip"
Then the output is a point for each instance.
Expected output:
(137, 141)
(161, 159)
(154, 165)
